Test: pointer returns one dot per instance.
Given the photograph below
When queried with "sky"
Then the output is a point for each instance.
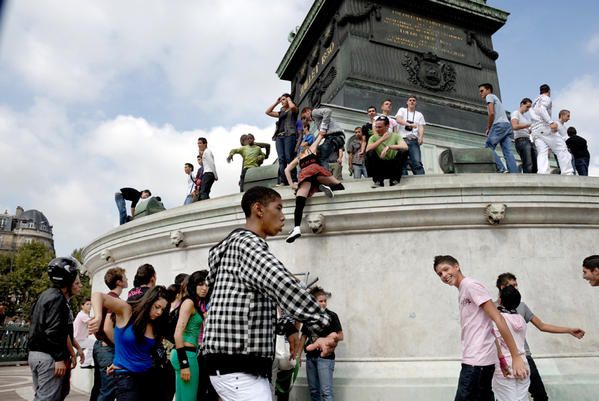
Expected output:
(95, 96)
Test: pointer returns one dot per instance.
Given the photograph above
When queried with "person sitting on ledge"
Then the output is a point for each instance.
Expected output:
(312, 177)
(385, 154)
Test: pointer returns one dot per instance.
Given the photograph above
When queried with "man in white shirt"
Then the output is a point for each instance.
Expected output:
(411, 127)
(189, 183)
(546, 136)
(521, 126)
(209, 175)
(499, 130)
(386, 110)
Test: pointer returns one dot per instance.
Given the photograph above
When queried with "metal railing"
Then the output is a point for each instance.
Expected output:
(13, 343)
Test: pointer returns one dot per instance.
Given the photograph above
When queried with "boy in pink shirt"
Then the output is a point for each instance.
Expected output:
(477, 315)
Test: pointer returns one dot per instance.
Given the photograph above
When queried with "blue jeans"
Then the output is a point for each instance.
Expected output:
(501, 134)
(414, 158)
(528, 154)
(104, 385)
(286, 153)
(320, 378)
(359, 171)
(582, 166)
(475, 383)
(121, 206)
(134, 387)
(188, 200)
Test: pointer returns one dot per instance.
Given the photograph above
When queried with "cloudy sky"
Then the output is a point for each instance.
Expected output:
(95, 96)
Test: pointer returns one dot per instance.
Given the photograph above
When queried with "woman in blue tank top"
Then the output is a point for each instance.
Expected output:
(139, 327)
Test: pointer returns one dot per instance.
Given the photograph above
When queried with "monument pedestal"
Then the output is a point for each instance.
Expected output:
(401, 323)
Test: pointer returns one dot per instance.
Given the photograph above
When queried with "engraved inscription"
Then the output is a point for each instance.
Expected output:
(315, 71)
(413, 32)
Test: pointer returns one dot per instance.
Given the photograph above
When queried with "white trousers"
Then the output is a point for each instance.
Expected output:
(510, 389)
(241, 387)
(545, 140)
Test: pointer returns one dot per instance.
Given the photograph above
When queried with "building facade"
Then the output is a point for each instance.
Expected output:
(24, 227)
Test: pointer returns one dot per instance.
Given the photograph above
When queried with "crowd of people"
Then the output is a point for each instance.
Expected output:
(211, 334)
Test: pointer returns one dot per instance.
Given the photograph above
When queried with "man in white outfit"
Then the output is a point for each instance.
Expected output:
(546, 136)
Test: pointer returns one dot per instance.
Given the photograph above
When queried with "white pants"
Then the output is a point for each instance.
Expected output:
(241, 387)
(510, 389)
(544, 140)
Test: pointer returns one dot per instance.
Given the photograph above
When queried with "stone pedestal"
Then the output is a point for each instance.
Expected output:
(402, 334)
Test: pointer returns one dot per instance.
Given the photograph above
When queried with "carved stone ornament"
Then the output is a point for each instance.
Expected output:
(429, 72)
(320, 86)
(316, 223)
(358, 17)
(495, 213)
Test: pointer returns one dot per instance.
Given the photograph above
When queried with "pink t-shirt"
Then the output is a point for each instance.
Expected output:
(478, 340)
(80, 331)
(517, 326)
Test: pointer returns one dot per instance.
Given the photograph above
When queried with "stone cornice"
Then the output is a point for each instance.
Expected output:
(418, 203)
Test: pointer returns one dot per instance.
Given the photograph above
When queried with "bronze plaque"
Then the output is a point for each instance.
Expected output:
(420, 34)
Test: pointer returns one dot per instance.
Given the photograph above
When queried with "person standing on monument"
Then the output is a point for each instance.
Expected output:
(248, 282)
(536, 388)
(209, 175)
(355, 152)
(286, 134)
(545, 135)
(577, 146)
(386, 110)
(252, 156)
(499, 130)
(524, 146)
(367, 128)
(477, 315)
(411, 127)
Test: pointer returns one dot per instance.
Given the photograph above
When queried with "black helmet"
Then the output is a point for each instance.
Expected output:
(63, 271)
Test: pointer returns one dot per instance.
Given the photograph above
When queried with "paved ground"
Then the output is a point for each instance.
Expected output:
(15, 385)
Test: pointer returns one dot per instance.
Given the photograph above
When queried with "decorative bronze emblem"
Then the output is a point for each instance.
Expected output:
(429, 72)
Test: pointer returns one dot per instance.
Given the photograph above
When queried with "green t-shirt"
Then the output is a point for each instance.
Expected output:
(250, 154)
(394, 139)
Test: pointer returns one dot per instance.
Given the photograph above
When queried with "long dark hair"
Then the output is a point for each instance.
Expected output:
(140, 317)
(190, 290)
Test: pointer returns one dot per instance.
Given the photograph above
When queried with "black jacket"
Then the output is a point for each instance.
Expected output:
(50, 325)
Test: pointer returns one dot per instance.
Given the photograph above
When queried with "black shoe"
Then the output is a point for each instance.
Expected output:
(377, 184)
(327, 191)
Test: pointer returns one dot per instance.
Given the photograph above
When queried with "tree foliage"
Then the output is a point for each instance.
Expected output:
(23, 277)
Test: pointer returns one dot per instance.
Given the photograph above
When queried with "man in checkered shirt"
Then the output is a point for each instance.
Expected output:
(248, 282)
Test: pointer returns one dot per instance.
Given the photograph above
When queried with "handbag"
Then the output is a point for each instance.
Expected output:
(282, 354)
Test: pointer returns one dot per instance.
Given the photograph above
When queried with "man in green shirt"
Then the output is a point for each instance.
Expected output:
(385, 154)
(252, 155)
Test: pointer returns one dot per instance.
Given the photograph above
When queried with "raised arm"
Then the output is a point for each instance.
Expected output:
(376, 143)
(120, 308)
(265, 146)
(270, 110)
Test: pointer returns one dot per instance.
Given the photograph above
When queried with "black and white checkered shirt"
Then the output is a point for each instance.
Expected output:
(248, 282)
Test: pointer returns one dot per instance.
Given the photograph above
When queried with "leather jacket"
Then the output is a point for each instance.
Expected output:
(50, 325)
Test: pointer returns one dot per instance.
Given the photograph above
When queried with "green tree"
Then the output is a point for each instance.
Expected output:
(24, 277)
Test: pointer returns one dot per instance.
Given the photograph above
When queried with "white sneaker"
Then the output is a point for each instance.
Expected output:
(294, 234)
(328, 192)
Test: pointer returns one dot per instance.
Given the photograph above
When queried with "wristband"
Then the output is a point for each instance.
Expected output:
(502, 362)
(182, 356)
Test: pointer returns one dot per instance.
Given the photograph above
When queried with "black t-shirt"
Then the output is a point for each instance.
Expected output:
(334, 327)
(578, 147)
(131, 194)
(367, 131)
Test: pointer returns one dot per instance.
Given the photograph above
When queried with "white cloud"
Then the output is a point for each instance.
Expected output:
(580, 98)
(215, 55)
(592, 46)
(71, 176)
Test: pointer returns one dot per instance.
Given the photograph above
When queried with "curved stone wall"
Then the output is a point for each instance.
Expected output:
(400, 322)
